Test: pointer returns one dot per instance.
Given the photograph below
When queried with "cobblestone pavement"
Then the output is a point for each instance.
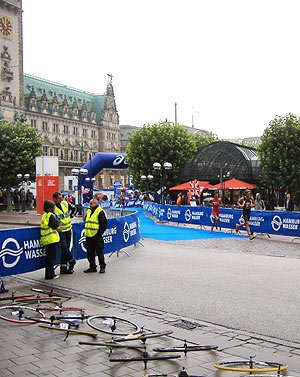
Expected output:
(29, 350)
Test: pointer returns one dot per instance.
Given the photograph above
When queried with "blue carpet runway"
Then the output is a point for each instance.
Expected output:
(149, 229)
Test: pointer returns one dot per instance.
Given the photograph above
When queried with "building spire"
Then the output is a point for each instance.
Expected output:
(110, 77)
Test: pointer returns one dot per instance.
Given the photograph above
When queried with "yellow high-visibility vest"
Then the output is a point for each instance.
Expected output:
(91, 225)
(48, 235)
(63, 216)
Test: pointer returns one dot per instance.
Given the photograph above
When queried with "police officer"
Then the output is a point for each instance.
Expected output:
(95, 224)
(64, 211)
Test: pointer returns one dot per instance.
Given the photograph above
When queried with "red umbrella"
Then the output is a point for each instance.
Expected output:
(234, 184)
(196, 186)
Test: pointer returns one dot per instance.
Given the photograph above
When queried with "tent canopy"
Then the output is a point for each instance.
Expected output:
(234, 184)
(191, 185)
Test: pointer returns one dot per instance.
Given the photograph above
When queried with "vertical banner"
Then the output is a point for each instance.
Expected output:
(45, 187)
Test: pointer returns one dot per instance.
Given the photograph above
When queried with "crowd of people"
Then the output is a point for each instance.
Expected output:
(19, 198)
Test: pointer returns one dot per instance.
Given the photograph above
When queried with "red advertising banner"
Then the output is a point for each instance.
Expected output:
(45, 187)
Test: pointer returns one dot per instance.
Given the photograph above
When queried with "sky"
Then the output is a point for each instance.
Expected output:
(231, 66)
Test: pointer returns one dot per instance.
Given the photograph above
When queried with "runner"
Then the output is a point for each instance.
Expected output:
(246, 202)
(216, 203)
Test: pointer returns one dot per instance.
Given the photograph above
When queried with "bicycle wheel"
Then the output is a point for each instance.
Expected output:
(250, 366)
(113, 325)
(17, 314)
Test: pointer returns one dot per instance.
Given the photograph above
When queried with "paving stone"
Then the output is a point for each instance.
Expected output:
(20, 369)
(24, 359)
(244, 338)
(71, 373)
(6, 373)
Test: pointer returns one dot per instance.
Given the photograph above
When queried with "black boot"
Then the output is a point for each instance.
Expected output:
(72, 263)
(90, 269)
(64, 270)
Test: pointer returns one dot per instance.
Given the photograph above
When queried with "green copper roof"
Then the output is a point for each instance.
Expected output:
(62, 91)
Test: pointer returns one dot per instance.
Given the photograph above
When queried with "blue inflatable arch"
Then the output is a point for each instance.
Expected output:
(104, 160)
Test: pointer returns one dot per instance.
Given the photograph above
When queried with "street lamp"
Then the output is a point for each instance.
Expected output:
(90, 182)
(162, 172)
(225, 175)
(79, 173)
(147, 179)
(23, 190)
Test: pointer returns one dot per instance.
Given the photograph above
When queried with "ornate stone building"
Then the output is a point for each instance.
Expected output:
(11, 56)
(74, 124)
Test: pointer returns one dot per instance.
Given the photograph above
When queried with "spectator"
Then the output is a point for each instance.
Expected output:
(29, 198)
(259, 203)
(289, 203)
(179, 199)
(16, 199)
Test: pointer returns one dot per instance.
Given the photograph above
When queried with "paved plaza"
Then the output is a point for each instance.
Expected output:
(240, 295)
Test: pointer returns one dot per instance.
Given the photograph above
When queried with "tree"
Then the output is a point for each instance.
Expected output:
(164, 142)
(279, 153)
(20, 144)
(203, 140)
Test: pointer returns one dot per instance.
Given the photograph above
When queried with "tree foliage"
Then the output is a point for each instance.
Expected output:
(203, 140)
(279, 153)
(161, 143)
(20, 144)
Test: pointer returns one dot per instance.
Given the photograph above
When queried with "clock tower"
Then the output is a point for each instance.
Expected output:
(11, 60)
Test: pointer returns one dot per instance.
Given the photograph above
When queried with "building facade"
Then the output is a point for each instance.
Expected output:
(74, 124)
(11, 55)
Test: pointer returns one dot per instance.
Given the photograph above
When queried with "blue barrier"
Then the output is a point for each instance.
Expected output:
(280, 223)
(21, 250)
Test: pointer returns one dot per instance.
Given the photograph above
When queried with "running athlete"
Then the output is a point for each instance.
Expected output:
(216, 203)
(246, 202)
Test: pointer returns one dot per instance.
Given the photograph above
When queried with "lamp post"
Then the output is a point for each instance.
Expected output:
(79, 173)
(23, 190)
(90, 182)
(226, 175)
(162, 172)
(147, 179)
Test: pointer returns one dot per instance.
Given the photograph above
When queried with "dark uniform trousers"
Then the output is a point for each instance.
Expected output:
(95, 245)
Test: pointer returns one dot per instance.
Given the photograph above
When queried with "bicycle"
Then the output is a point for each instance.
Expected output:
(38, 299)
(110, 345)
(18, 313)
(186, 348)
(145, 357)
(251, 366)
(141, 336)
(51, 321)
(13, 297)
(182, 373)
(69, 331)
(60, 309)
(49, 293)
(113, 325)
